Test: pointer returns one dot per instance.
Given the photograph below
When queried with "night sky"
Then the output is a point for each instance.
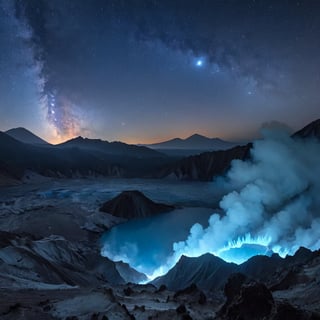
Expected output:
(145, 71)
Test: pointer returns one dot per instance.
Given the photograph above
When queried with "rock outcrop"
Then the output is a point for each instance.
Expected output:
(252, 300)
(133, 204)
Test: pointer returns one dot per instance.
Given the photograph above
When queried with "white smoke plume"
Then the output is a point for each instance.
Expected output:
(273, 201)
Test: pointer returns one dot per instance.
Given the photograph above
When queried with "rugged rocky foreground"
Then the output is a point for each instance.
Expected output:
(293, 282)
(51, 268)
(53, 278)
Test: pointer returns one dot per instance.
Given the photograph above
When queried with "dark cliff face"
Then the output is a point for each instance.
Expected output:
(312, 130)
(133, 204)
(206, 165)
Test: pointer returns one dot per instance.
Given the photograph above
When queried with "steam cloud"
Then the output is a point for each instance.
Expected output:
(273, 201)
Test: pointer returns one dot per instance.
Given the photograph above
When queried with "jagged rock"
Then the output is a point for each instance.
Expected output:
(233, 286)
(254, 301)
(192, 293)
(133, 204)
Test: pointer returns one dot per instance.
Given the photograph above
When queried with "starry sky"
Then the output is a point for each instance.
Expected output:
(142, 71)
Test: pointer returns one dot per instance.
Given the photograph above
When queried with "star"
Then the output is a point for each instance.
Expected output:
(199, 63)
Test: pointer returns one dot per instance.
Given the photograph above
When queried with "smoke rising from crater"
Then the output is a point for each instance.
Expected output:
(275, 195)
(270, 204)
(273, 200)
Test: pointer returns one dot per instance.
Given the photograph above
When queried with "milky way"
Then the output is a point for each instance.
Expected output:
(217, 68)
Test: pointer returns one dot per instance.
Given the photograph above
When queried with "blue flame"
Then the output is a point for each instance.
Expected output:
(236, 251)
(245, 247)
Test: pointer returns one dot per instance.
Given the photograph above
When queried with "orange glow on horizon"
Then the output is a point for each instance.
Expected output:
(57, 139)
(54, 138)
(166, 137)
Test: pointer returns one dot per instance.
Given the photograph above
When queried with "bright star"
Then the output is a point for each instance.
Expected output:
(199, 63)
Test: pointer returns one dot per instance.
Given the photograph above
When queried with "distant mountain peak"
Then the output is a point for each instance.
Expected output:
(194, 142)
(197, 135)
(175, 139)
(24, 135)
(80, 139)
(112, 148)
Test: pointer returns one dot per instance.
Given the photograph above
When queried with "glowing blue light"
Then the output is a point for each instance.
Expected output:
(245, 252)
(199, 63)
(243, 248)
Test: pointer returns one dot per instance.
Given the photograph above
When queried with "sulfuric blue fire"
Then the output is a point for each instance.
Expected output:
(235, 251)
(244, 248)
